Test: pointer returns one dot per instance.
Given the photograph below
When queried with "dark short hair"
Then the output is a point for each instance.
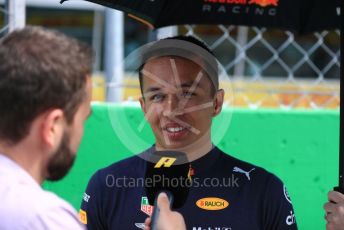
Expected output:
(40, 69)
(190, 39)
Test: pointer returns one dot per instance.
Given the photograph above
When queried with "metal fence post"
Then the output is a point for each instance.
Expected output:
(15, 19)
(168, 31)
(114, 53)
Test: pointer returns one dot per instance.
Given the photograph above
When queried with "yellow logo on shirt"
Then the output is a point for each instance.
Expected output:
(212, 203)
(165, 162)
(83, 216)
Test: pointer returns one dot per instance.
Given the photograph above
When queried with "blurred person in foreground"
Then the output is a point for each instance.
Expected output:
(179, 82)
(334, 209)
(45, 94)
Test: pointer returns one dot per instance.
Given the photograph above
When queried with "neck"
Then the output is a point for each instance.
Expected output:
(26, 158)
(199, 150)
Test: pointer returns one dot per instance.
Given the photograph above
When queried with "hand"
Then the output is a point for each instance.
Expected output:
(334, 211)
(168, 220)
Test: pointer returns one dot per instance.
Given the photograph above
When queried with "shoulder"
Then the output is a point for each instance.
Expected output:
(251, 177)
(252, 173)
(129, 167)
(105, 187)
(132, 167)
(56, 213)
(39, 209)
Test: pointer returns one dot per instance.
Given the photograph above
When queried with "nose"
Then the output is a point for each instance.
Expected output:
(171, 106)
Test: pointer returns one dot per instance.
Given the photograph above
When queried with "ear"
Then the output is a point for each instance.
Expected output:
(218, 102)
(52, 128)
(143, 105)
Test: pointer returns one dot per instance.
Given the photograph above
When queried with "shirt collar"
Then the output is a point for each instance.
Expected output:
(199, 165)
(206, 161)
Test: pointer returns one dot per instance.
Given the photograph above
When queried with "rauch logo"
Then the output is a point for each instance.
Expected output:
(212, 203)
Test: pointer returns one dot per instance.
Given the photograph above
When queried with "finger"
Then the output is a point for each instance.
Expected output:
(163, 202)
(147, 223)
(331, 218)
(329, 207)
(327, 217)
(335, 197)
(330, 226)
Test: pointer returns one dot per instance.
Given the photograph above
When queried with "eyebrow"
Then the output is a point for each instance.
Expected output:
(152, 89)
(184, 85)
(187, 85)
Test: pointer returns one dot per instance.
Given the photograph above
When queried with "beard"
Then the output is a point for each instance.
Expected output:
(62, 161)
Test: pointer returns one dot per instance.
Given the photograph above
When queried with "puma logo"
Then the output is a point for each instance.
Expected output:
(140, 225)
(239, 170)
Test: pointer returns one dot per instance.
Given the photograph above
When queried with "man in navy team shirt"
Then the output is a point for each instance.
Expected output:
(180, 97)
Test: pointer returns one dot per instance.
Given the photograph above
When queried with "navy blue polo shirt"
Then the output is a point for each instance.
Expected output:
(226, 194)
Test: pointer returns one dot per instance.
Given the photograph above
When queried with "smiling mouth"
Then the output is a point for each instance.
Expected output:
(175, 129)
(175, 132)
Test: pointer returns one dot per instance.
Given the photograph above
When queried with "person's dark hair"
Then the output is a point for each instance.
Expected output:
(39, 70)
(189, 39)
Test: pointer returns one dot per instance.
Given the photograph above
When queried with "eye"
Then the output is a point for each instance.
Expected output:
(157, 97)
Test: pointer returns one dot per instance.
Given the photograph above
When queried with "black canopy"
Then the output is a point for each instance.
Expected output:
(301, 16)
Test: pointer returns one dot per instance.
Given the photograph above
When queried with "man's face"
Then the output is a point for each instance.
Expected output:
(177, 103)
(62, 160)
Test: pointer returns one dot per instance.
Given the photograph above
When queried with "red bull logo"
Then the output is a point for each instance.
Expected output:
(249, 7)
(227, 1)
(264, 3)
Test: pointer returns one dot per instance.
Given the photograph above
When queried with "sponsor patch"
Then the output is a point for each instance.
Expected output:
(246, 173)
(165, 162)
(264, 3)
(83, 216)
(261, 3)
(145, 207)
(140, 225)
(286, 194)
(211, 228)
(250, 7)
(212, 203)
(290, 219)
(86, 197)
